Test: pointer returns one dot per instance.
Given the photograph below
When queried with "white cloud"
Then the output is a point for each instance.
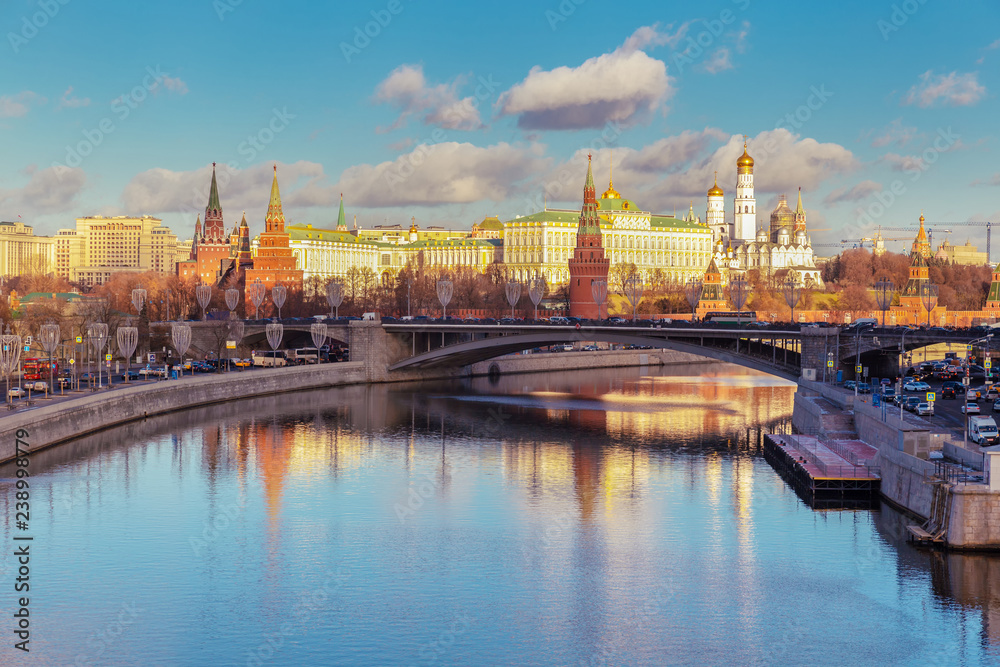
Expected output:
(444, 173)
(860, 191)
(67, 101)
(894, 133)
(899, 162)
(172, 84)
(720, 61)
(159, 191)
(50, 190)
(671, 153)
(651, 35)
(15, 106)
(992, 180)
(953, 89)
(406, 89)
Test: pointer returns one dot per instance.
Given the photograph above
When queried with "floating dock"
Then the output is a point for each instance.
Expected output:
(826, 475)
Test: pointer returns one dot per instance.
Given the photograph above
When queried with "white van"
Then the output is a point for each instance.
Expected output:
(274, 359)
(304, 355)
(983, 430)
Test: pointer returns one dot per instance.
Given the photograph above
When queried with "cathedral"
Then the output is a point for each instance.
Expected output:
(783, 246)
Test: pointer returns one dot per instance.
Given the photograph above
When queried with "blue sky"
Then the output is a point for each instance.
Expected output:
(453, 111)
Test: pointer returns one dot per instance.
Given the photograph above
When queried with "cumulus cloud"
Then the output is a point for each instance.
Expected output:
(159, 191)
(172, 84)
(444, 173)
(992, 180)
(406, 89)
(15, 106)
(956, 90)
(51, 190)
(67, 101)
(652, 35)
(857, 193)
(624, 87)
(673, 171)
(894, 133)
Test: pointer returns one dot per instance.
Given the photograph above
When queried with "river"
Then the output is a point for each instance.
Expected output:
(601, 517)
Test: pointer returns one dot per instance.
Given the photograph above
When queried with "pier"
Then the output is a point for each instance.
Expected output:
(826, 475)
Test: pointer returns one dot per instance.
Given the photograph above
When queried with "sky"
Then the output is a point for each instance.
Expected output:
(448, 112)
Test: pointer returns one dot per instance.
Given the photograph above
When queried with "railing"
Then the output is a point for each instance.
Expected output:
(855, 470)
(955, 474)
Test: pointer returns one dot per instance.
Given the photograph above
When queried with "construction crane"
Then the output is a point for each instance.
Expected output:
(988, 225)
(913, 231)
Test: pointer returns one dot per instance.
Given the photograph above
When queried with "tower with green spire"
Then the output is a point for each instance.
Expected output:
(275, 262)
(341, 218)
(588, 263)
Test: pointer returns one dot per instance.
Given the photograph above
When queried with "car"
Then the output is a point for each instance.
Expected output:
(864, 388)
(64, 381)
(17, 392)
(916, 386)
(242, 363)
(970, 408)
(849, 385)
(947, 392)
(153, 372)
(996, 405)
(39, 386)
(130, 375)
(911, 403)
(925, 409)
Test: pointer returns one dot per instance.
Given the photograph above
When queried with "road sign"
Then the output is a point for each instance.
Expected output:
(27, 340)
(79, 339)
(930, 397)
(107, 357)
(857, 369)
(829, 364)
(965, 381)
(231, 345)
(27, 348)
(988, 364)
(866, 371)
(968, 348)
(152, 358)
(72, 361)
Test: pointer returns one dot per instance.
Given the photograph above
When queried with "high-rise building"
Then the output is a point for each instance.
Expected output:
(274, 262)
(588, 262)
(745, 206)
(100, 247)
(22, 253)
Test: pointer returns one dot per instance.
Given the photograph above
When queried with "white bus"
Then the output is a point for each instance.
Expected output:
(276, 358)
(304, 355)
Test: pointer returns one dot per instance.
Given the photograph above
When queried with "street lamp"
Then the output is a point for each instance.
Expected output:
(203, 293)
(232, 300)
(128, 339)
(180, 336)
(929, 297)
(599, 290)
(884, 290)
(10, 355)
(693, 293)
(335, 296)
(513, 291)
(445, 289)
(792, 293)
(278, 294)
(98, 335)
(536, 289)
(633, 292)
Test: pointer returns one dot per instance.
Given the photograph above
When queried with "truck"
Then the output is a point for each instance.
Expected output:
(983, 430)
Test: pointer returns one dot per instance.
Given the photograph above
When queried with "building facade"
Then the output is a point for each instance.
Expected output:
(23, 253)
(100, 247)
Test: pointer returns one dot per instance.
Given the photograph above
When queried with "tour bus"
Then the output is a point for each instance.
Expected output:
(304, 355)
(730, 317)
(269, 358)
(38, 369)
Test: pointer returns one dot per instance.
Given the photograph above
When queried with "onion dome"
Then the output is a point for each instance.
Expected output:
(745, 160)
(715, 190)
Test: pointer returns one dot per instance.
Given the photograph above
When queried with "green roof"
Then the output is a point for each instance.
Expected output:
(341, 219)
(37, 296)
(305, 232)
(491, 223)
(213, 196)
(655, 221)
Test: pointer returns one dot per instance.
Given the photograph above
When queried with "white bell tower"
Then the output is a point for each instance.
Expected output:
(745, 213)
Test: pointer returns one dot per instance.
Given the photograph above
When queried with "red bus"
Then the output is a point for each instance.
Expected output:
(38, 369)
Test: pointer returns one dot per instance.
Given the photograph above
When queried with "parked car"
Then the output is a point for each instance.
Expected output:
(970, 408)
(17, 392)
(911, 403)
(925, 409)
(130, 375)
(996, 405)
(152, 372)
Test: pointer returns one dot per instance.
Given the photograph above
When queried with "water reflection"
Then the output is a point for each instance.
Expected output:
(617, 516)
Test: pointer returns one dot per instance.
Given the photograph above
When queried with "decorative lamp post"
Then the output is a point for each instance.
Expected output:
(738, 293)
(335, 297)
(599, 290)
(884, 292)
(274, 331)
(236, 330)
(128, 339)
(929, 298)
(445, 290)
(180, 336)
(633, 292)
(536, 290)
(255, 292)
(692, 290)
(792, 293)
(138, 300)
(50, 335)
(97, 333)
(10, 356)
(232, 300)
(203, 293)
(513, 290)
(278, 294)
(318, 332)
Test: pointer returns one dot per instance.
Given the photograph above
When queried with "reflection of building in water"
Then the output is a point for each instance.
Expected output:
(972, 580)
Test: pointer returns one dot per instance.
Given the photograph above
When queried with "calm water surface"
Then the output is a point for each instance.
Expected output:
(586, 518)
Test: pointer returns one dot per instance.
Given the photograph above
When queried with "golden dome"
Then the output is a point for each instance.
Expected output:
(611, 193)
(744, 160)
(715, 190)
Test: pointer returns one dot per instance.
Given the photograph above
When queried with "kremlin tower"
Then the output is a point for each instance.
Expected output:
(588, 263)
(745, 212)
(921, 244)
(711, 297)
(275, 262)
(210, 246)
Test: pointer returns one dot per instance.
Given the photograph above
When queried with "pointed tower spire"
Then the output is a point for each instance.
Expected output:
(275, 218)
(341, 219)
(213, 195)
(798, 207)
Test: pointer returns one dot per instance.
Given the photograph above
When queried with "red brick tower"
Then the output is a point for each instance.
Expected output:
(212, 247)
(275, 262)
(588, 262)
